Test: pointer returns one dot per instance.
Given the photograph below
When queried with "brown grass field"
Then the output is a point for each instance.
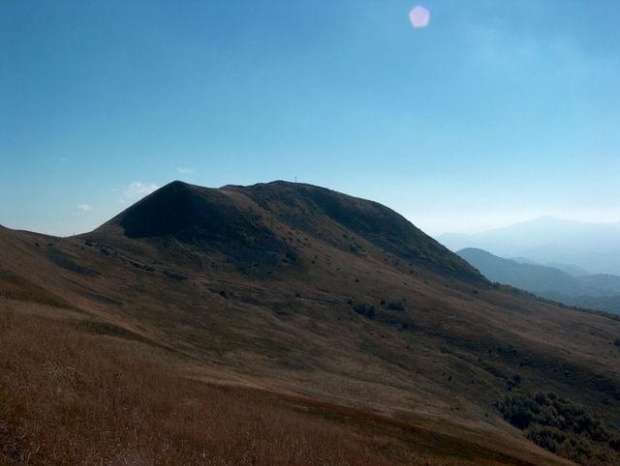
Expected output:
(70, 397)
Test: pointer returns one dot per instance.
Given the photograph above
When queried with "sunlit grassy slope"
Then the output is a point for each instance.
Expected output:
(243, 324)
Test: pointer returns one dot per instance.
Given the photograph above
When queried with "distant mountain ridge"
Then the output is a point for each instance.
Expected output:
(570, 269)
(545, 240)
(599, 291)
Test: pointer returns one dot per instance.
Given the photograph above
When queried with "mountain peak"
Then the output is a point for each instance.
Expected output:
(250, 221)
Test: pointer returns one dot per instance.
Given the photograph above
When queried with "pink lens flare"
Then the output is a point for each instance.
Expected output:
(419, 17)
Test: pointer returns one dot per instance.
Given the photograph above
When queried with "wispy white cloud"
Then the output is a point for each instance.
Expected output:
(185, 171)
(84, 208)
(136, 191)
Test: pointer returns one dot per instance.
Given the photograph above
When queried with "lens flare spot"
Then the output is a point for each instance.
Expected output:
(419, 17)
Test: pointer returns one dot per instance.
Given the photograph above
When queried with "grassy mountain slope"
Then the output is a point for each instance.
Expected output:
(296, 291)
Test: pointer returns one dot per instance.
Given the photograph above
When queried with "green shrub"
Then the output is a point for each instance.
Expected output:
(365, 310)
(395, 306)
(562, 427)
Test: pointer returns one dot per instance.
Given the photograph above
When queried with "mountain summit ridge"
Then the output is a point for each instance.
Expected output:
(250, 221)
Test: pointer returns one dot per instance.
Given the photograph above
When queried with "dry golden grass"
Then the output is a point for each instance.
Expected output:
(70, 397)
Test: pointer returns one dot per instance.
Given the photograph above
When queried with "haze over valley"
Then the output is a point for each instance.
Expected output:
(567, 284)
(589, 247)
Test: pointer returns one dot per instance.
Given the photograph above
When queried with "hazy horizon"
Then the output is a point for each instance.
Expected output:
(90, 219)
(482, 115)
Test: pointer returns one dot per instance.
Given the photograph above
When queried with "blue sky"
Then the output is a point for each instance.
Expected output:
(495, 112)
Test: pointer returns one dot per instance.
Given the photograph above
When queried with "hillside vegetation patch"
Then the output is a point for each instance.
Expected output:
(562, 427)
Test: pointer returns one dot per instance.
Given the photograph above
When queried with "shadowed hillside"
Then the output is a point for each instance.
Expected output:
(290, 290)
(248, 224)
